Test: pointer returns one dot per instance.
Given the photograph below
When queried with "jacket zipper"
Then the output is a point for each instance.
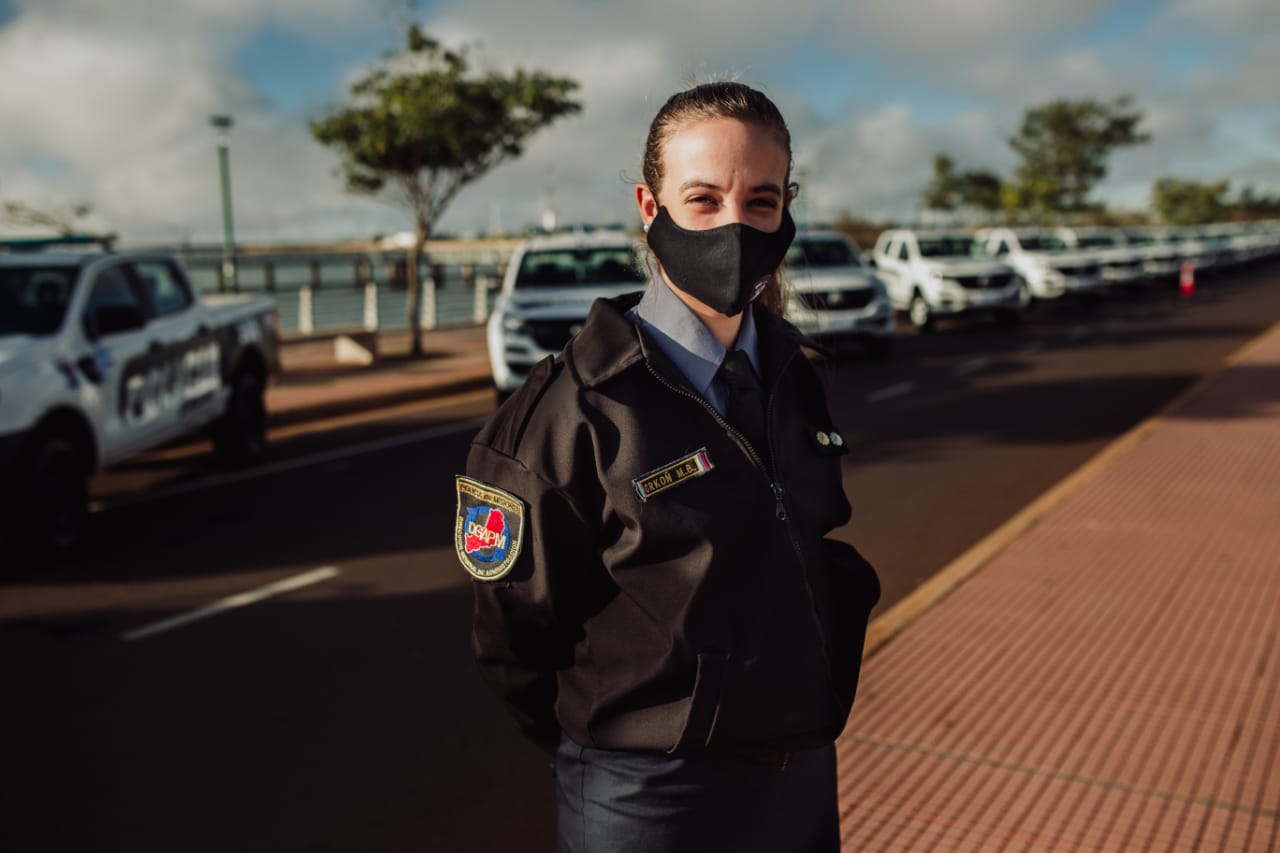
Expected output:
(780, 507)
(711, 410)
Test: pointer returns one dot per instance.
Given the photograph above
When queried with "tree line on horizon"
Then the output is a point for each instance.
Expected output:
(1063, 147)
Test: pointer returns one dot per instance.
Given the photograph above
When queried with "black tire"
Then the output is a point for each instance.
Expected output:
(240, 435)
(1025, 299)
(919, 313)
(53, 506)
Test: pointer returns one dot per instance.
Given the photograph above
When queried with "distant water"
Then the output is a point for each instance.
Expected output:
(340, 302)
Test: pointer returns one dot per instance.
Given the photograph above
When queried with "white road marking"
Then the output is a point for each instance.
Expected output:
(891, 391)
(1032, 348)
(287, 465)
(972, 366)
(232, 602)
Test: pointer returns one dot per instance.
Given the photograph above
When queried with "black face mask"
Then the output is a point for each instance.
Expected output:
(724, 267)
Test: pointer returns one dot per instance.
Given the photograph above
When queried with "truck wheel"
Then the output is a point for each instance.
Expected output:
(55, 505)
(240, 435)
(918, 311)
(1025, 299)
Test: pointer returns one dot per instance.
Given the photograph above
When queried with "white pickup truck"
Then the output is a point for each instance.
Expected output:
(1049, 266)
(936, 274)
(107, 354)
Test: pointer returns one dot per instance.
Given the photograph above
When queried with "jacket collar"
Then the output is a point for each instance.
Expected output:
(610, 343)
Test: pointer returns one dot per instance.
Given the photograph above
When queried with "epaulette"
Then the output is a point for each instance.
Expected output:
(506, 429)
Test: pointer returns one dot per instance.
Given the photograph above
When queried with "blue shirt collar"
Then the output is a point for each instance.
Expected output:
(684, 339)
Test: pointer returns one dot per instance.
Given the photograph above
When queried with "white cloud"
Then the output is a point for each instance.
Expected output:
(931, 31)
(1253, 17)
(114, 102)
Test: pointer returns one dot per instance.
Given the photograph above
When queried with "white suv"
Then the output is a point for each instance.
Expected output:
(1049, 266)
(546, 294)
(932, 274)
(1121, 263)
(835, 293)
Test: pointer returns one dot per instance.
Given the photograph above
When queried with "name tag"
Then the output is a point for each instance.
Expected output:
(673, 474)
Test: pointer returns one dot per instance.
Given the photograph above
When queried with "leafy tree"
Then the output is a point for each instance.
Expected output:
(1064, 147)
(943, 189)
(1179, 202)
(952, 190)
(61, 221)
(422, 126)
(1250, 204)
(981, 190)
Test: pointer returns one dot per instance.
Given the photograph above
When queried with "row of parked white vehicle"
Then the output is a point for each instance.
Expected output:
(1003, 271)
(838, 291)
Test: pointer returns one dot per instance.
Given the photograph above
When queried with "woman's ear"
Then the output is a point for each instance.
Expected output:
(647, 202)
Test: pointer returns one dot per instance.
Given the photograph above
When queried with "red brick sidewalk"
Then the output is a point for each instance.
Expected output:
(1109, 680)
(313, 385)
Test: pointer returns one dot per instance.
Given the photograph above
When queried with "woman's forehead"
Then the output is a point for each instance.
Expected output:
(712, 149)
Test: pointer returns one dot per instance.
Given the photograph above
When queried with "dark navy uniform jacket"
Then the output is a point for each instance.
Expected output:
(653, 581)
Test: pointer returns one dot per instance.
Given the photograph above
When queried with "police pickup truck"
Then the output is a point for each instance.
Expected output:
(107, 354)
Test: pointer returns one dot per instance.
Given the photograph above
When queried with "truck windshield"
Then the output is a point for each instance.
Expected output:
(33, 300)
(1042, 243)
(949, 247)
(571, 267)
(822, 253)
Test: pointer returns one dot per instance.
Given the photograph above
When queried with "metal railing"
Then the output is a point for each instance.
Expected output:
(317, 292)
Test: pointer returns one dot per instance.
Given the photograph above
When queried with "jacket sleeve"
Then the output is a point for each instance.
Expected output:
(528, 622)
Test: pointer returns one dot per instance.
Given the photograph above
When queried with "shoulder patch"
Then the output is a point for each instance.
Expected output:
(489, 529)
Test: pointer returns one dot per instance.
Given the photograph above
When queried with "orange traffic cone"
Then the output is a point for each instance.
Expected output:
(1187, 280)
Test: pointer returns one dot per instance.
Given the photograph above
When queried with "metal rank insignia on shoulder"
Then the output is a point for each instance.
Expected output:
(489, 529)
(828, 441)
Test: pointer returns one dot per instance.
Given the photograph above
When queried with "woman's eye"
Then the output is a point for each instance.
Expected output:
(764, 203)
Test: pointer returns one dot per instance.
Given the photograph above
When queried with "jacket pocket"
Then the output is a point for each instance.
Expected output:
(703, 704)
(855, 589)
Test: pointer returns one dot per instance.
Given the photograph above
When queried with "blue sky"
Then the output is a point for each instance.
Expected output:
(114, 97)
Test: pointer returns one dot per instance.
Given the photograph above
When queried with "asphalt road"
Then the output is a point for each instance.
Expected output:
(278, 659)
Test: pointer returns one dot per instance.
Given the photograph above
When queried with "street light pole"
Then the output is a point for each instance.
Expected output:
(228, 278)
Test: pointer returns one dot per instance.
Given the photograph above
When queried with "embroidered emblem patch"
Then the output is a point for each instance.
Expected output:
(489, 530)
(673, 474)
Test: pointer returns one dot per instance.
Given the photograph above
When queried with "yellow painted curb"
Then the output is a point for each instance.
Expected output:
(889, 623)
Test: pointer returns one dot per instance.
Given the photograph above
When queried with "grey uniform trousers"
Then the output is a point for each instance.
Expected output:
(631, 802)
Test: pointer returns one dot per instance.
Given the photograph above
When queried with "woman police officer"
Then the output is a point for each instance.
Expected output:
(656, 597)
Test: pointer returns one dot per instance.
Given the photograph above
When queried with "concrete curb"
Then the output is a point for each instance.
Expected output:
(902, 614)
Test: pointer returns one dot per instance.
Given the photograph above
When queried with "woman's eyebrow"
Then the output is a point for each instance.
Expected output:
(699, 183)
